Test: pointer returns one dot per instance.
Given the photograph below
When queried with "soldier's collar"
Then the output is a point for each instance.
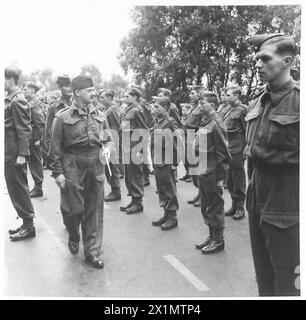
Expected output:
(81, 110)
(13, 93)
(161, 119)
(277, 95)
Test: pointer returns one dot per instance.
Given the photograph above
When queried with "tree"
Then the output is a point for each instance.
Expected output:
(117, 84)
(173, 46)
(92, 71)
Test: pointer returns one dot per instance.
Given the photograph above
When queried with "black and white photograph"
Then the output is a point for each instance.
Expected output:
(151, 151)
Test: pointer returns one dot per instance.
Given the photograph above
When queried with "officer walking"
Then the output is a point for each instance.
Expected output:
(78, 135)
(37, 121)
(273, 147)
(132, 120)
(112, 116)
(233, 119)
(17, 139)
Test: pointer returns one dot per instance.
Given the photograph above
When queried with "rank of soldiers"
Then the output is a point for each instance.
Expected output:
(84, 136)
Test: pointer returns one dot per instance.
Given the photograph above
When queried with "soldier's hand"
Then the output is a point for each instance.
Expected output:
(36, 143)
(20, 161)
(107, 152)
(60, 181)
(220, 183)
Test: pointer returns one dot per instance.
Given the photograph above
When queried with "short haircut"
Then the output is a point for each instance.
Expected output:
(235, 89)
(284, 45)
(210, 97)
(166, 92)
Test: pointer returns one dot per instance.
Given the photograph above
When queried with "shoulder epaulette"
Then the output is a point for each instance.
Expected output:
(61, 111)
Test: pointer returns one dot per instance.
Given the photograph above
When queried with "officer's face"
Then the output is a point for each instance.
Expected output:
(270, 65)
(231, 98)
(193, 96)
(129, 98)
(86, 95)
(106, 100)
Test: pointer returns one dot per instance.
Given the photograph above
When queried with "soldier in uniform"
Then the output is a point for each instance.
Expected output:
(17, 139)
(272, 144)
(233, 115)
(112, 116)
(193, 121)
(149, 120)
(37, 121)
(63, 83)
(77, 138)
(133, 119)
(164, 168)
(212, 172)
(173, 110)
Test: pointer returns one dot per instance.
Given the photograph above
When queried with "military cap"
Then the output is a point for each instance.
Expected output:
(12, 72)
(140, 89)
(162, 101)
(134, 91)
(63, 80)
(32, 84)
(108, 93)
(81, 82)
(195, 87)
(259, 39)
(164, 91)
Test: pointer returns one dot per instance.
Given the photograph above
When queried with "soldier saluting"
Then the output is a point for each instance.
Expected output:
(272, 144)
(18, 133)
(80, 131)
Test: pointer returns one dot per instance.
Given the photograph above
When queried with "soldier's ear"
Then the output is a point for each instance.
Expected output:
(287, 61)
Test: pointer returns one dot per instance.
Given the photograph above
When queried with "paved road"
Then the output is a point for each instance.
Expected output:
(140, 260)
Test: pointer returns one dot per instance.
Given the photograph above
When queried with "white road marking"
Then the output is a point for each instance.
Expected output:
(200, 285)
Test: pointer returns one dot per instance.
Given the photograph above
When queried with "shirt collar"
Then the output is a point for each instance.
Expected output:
(277, 95)
(82, 111)
(13, 93)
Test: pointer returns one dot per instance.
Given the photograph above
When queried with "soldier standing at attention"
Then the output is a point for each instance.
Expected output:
(112, 115)
(37, 121)
(164, 168)
(233, 115)
(192, 122)
(17, 139)
(212, 172)
(273, 147)
(77, 138)
(63, 83)
(133, 119)
(173, 110)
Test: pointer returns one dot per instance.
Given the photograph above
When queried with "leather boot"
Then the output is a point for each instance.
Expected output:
(171, 221)
(231, 211)
(73, 247)
(13, 231)
(36, 192)
(124, 208)
(217, 244)
(136, 207)
(239, 214)
(201, 245)
(159, 222)
(113, 196)
(23, 234)
(194, 200)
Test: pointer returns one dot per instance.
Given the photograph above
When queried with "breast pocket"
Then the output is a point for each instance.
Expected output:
(283, 133)
(74, 128)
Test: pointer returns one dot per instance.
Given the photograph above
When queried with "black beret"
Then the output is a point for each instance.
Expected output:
(32, 84)
(259, 39)
(135, 91)
(162, 101)
(12, 72)
(81, 82)
(63, 80)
